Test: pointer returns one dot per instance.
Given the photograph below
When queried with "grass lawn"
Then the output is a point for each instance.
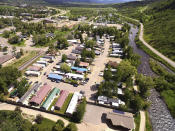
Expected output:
(148, 123)
(137, 122)
(53, 103)
(65, 105)
(46, 125)
(23, 59)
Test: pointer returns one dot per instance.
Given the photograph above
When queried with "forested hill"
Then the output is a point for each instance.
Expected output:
(158, 19)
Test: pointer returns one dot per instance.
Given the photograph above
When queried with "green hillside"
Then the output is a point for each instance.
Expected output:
(160, 27)
(30, 2)
(158, 19)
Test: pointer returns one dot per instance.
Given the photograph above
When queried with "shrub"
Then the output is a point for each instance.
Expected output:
(78, 115)
(71, 127)
(39, 119)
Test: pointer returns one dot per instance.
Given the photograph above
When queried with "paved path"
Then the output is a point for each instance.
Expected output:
(172, 63)
(142, 121)
(4, 106)
(25, 65)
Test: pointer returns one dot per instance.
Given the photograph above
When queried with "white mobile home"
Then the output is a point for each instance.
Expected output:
(73, 103)
(115, 55)
(42, 62)
(32, 73)
(39, 65)
(75, 76)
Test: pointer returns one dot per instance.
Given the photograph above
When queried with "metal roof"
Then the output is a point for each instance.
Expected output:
(125, 120)
(41, 94)
(72, 105)
(61, 99)
(55, 76)
(79, 69)
(50, 98)
(33, 89)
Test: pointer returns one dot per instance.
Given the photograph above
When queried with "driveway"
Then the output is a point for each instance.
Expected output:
(94, 114)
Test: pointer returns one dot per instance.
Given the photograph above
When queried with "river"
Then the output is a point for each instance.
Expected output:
(160, 116)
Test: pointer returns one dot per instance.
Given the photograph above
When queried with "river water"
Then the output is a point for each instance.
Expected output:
(160, 116)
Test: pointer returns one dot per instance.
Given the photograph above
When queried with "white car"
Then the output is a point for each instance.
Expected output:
(101, 74)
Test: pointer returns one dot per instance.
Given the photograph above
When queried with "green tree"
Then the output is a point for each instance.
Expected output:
(125, 70)
(21, 51)
(60, 122)
(14, 40)
(145, 84)
(65, 68)
(64, 58)
(62, 43)
(81, 108)
(39, 119)
(77, 62)
(22, 87)
(137, 103)
(3, 87)
(57, 127)
(71, 127)
(90, 44)
(6, 34)
(107, 74)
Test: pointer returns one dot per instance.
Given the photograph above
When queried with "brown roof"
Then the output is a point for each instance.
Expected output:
(113, 64)
(125, 120)
(5, 58)
(85, 64)
(41, 94)
(71, 57)
(34, 68)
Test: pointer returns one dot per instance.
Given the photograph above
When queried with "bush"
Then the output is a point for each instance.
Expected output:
(14, 40)
(6, 34)
(64, 58)
(65, 68)
(62, 43)
(57, 127)
(71, 127)
(81, 108)
(60, 122)
(39, 119)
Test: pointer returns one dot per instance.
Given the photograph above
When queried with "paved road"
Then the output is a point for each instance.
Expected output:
(25, 65)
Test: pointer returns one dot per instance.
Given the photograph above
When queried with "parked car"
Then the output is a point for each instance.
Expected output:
(75, 85)
(87, 79)
(101, 74)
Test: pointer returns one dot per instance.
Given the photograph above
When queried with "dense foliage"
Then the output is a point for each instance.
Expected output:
(9, 75)
(13, 121)
(165, 84)
(158, 18)
(80, 111)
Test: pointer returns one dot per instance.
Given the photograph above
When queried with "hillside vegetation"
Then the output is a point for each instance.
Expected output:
(160, 27)
(158, 19)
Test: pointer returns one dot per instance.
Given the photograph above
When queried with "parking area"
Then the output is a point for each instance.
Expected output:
(97, 66)
(94, 114)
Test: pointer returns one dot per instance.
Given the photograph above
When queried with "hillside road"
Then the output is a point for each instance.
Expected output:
(172, 63)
